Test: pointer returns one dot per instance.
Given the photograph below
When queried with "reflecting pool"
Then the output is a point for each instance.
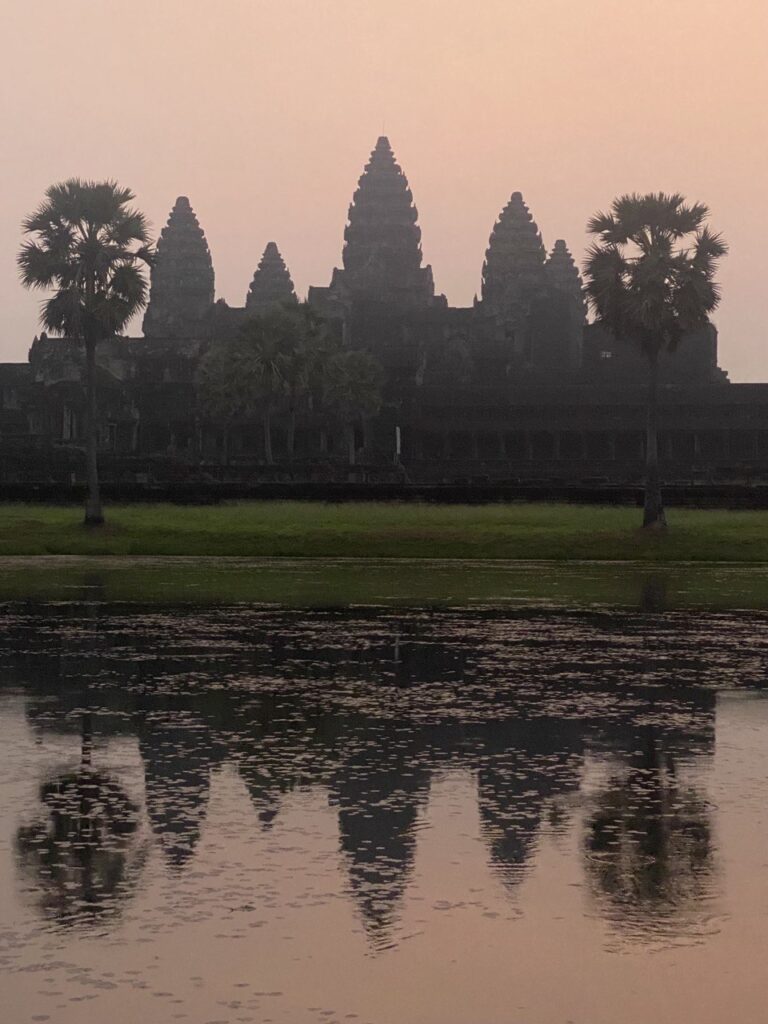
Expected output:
(449, 815)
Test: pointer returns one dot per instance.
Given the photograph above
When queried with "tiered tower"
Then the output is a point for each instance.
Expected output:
(382, 241)
(271, 284)
(566, 311)
(513, 271)
(563, 276)
(182, 283)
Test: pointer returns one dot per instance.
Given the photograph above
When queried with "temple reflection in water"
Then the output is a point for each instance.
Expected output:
(368, 711)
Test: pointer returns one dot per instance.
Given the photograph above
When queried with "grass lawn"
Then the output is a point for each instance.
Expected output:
(317, 530)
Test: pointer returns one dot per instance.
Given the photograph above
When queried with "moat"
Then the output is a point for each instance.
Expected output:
(545, 812)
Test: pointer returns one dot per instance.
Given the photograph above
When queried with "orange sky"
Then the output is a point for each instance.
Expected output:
(264, 112)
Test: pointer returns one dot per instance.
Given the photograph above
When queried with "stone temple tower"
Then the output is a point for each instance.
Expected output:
(182, 282)
(562, 315)
(271, 284)
(382, 241)
(563, 275)
(513, 271)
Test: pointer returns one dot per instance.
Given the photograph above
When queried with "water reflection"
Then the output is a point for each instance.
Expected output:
(178, 757)
(79, 855)
(297, 702)
(649, 848)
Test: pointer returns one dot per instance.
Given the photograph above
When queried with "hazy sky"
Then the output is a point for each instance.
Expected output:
(263, 112)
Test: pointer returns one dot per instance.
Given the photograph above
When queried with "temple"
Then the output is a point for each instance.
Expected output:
(519, 386)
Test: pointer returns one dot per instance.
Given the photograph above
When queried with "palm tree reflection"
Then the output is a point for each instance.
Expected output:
(79, 855)
(649, 844)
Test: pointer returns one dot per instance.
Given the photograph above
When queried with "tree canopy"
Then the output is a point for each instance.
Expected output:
(88, 245)
(650, 274)
(287, 361)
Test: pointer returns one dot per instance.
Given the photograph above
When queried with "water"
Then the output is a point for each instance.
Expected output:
(233, 814)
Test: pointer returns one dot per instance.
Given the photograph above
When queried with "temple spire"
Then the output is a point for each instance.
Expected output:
(271, 284)
(382, 241)
(513, 271)
(563, 276)
(182, 282)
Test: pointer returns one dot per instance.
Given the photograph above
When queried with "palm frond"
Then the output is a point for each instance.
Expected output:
(601, 224)
(39, 267)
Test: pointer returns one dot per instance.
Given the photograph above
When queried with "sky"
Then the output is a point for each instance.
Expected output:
(264, 113)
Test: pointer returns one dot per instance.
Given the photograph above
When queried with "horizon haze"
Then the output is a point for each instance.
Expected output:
(264, 114)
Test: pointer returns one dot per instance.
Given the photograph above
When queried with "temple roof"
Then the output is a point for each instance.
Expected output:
(271, 283)
(182, 281)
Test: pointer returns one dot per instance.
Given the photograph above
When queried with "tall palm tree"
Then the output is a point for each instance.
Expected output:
(325, 354)
(224, 390)
(264, 368)
(650, 280)
(353, 391)
(309, 345)
(88, 245)
(268, 343)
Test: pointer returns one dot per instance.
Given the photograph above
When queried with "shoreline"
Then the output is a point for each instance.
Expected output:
(348, 583)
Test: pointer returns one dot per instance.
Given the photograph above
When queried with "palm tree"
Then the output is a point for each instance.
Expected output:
(224, 389)
(309, 346)
(87, 245)
(353, 391)
(268, 343)
(324, 355)
(263, 368)
(650, 280)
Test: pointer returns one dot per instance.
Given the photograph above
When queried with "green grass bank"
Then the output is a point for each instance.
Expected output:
(529, 532)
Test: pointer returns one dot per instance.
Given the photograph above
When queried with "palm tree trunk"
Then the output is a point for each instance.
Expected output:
(653, 508)
(268, 438)
(94, 515)
(198, 431)
(291, 439)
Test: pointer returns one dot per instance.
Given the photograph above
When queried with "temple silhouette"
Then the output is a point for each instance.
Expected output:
(518, 386)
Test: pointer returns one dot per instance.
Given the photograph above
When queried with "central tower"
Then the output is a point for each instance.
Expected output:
(382, 241)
